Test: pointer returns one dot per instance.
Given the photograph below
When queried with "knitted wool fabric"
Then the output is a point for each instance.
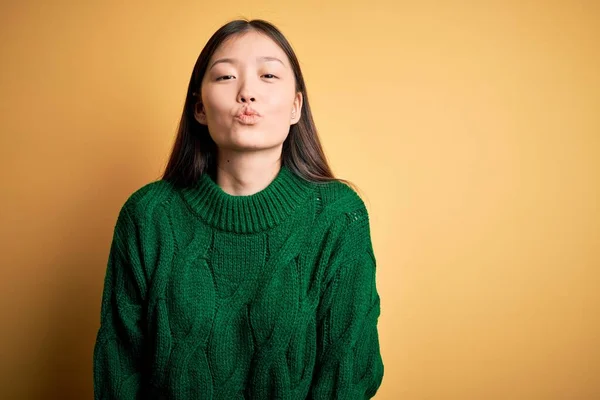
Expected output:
(213, 296)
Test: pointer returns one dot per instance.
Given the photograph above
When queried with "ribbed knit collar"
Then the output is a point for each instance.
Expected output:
(252, 213)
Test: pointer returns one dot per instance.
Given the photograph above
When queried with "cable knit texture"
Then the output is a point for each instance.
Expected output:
(214, 296)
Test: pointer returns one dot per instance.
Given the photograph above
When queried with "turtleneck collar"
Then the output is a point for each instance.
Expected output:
(247, 214)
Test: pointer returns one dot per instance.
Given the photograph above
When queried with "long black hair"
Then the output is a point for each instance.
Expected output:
(194, 152)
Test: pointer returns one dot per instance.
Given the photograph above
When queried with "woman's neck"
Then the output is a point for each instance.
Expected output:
(246, 173)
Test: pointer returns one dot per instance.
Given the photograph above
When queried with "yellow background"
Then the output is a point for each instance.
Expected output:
(471, 127)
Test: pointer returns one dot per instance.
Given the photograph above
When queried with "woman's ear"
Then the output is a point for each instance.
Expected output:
(296, 109)
(199, 113)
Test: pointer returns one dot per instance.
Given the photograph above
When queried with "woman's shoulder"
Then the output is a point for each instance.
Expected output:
(149, 196)
(341, 198)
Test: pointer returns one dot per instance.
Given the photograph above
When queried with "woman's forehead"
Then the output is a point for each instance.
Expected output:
(250, 45)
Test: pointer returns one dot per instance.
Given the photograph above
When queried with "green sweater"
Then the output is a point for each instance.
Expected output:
(214, 296)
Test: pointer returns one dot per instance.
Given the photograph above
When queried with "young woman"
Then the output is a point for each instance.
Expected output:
(247, 271)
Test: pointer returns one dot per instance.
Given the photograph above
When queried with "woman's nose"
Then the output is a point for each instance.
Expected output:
(246, 93)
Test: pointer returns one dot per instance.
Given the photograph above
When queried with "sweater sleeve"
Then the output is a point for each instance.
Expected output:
(118, 351)
(349, 364)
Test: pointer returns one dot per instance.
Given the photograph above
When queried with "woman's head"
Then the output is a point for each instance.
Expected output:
(248, 97)
(246, 67)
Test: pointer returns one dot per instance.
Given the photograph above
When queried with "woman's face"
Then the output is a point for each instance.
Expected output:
(249, 74)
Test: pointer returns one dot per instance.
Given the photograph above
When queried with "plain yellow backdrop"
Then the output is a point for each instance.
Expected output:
(472, 129)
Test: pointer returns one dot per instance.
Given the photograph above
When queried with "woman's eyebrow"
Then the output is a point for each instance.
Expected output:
(234, 61)
(266, 58)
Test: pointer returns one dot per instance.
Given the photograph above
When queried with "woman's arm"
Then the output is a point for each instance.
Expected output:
(118, 352)
(349, 365)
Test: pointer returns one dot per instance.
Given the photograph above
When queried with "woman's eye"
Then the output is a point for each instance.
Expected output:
(229, 77)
